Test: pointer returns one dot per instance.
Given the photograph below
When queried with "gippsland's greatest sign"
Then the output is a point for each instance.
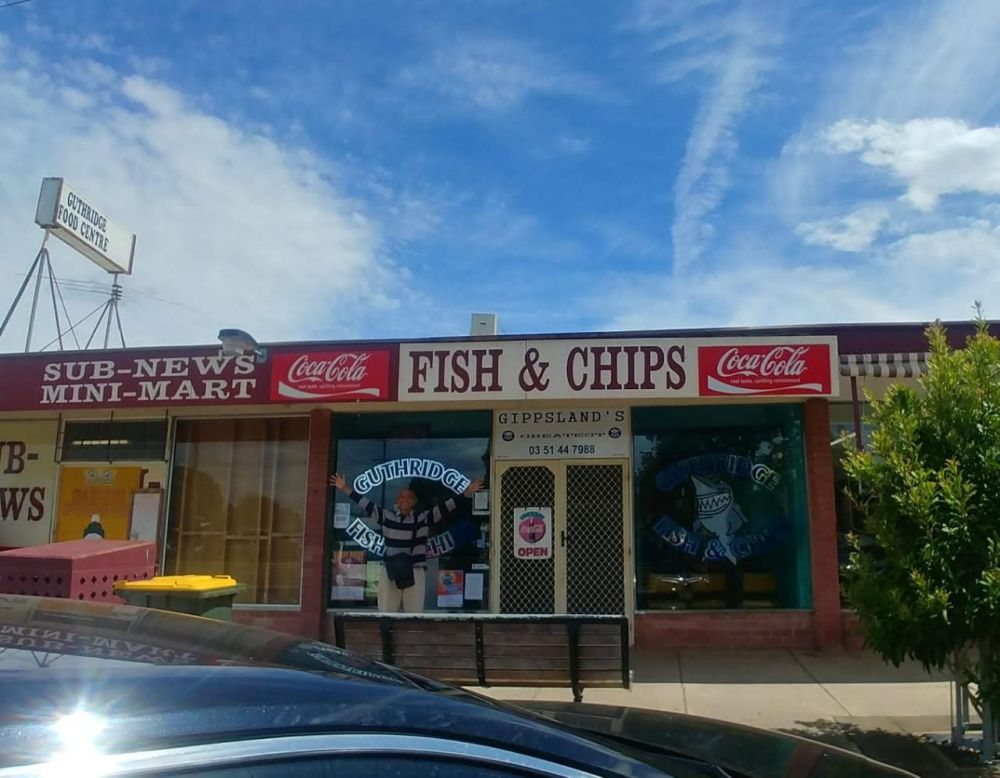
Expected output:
(577, 433)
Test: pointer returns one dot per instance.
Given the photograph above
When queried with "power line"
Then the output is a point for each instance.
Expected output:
(14, 2)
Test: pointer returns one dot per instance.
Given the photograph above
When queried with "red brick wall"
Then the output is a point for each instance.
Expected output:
(291, 622)
(724, 629)
(328, 633)
(854, 638)
(827, 621)
(314, 534)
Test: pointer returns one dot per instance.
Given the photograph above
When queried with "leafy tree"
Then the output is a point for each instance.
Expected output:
(930, 484)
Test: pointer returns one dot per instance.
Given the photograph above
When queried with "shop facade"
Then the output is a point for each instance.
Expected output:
(685, 479)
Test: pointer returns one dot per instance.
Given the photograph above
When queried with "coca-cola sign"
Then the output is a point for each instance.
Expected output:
(786, 368)
(314, 376)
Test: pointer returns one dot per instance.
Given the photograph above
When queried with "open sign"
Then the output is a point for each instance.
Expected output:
(532, 533)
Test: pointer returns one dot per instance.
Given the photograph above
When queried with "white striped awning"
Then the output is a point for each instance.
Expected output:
(901, 365)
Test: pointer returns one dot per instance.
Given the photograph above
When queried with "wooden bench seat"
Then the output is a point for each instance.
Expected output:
(494, 650)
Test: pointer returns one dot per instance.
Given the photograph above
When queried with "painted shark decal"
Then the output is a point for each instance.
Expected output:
(718, 513)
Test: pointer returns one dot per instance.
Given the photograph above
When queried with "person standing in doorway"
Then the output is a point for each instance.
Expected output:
(405, 532)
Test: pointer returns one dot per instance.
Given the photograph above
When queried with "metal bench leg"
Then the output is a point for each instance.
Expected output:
(573, 633)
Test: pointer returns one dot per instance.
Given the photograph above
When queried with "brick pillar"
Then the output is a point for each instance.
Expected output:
(827, 624)
(313, 603)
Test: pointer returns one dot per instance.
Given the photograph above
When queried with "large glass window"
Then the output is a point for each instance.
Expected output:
(721, 511)
(457, 575)
(108, 441)
(237, 502)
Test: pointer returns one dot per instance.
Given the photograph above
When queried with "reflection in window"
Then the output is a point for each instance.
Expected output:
(110, 441)
(457, 575)
(850, 519)
(721, 509)
(237, 502)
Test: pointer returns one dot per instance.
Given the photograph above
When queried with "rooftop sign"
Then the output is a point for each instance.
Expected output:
(75, 220)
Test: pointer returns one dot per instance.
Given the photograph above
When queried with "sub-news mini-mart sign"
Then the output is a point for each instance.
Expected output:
(79, 223)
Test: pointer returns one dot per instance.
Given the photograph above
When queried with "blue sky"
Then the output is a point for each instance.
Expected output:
(382, 169)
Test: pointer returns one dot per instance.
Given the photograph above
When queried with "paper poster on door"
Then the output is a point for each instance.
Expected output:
(449, 588)
(533, 533)
(350, 575)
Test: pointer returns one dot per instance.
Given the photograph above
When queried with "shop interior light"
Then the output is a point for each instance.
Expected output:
(118, 442)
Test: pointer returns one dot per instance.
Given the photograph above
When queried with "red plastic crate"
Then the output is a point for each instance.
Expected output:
(76, 569)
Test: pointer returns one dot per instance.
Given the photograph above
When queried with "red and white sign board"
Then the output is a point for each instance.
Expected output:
(130, 379)
(740, 370)
(330, 376)
(618, 369)
(194, 376)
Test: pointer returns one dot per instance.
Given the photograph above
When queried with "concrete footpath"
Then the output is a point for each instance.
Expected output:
(853, 700)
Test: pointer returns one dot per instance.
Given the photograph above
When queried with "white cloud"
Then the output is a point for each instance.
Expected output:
(234, 228)
(495, 74)
(920, 277)
(854, 232)
(960, 259)
(918, 61)
(933, 157)
(730, 53)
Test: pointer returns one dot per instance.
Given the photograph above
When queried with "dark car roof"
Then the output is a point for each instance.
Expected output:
(156, 679)
(161, 679)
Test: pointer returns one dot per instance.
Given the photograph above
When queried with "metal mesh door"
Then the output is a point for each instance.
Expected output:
(595, 578)
(526, 585)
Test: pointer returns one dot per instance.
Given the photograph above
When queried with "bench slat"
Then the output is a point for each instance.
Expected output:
(513, 652)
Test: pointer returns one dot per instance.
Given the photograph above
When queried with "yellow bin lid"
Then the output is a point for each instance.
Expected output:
(179, 583)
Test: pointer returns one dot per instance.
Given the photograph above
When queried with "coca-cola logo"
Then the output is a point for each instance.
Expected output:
(343, 368)
(333, 375)
(779, 361)
(781, 369)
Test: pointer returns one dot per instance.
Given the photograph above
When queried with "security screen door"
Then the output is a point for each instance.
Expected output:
(589, 536)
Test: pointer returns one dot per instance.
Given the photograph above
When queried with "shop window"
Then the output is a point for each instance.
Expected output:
(457, 574)
(237, 502)
(721, 510)
(114, 441)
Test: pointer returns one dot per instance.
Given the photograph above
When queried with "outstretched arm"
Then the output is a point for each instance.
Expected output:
(449, 507)
(364, 503)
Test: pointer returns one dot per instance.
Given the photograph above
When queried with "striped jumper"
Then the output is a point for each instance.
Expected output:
(407, 533)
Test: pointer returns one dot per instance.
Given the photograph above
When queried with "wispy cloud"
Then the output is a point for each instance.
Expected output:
(238, 228)
(928, 59)
(853, 233)
(728, 54)
(496, 74)
(919, 277)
